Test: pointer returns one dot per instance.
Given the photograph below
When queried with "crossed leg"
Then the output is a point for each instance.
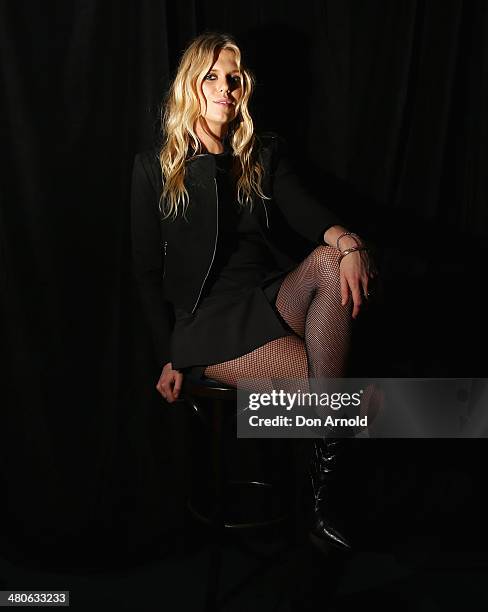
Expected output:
(309, 300)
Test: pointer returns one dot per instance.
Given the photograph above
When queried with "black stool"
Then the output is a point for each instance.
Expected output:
(253, 495)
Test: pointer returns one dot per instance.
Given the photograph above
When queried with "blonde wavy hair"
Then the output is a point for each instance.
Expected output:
(180, 112)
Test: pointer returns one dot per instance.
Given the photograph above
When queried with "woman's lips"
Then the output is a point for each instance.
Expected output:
(225, 103)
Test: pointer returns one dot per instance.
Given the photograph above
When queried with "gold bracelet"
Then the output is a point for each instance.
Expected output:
(355, 237)
(351, 250)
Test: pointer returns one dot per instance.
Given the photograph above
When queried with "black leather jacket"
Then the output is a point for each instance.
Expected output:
(173, 259)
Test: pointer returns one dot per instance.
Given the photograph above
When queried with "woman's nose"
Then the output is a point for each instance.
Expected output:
(224, 86)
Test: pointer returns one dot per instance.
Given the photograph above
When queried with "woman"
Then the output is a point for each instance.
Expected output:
(224, 298)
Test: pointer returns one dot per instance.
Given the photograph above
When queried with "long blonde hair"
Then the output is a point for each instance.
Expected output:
(180, 114)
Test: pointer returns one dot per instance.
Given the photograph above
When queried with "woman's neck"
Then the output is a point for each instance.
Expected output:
(213, 140)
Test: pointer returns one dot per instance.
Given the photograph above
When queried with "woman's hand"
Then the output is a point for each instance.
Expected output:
(169, 383)
(356, 272)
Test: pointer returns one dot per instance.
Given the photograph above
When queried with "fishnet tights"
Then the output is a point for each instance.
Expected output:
(309, 300)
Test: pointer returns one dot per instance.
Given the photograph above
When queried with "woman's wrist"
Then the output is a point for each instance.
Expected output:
(341, 238)
(353, 249)
(347, 241)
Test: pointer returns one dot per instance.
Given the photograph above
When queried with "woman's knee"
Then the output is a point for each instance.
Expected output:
(326, 262)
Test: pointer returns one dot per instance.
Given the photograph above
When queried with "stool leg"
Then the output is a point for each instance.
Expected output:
(211, 601)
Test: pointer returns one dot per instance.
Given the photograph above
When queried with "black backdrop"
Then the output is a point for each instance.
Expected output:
(387, 100)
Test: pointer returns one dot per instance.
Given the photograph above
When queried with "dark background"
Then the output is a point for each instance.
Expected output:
(386, 100)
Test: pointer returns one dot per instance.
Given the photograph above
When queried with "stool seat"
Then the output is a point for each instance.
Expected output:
(207, 382)
(208, 387)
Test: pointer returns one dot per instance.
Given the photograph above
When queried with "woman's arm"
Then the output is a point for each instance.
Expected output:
(303, 212)
(147, 259)
(356, 268)
(319, 225)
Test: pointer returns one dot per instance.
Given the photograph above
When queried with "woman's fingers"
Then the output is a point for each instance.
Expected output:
(170, 395)
(159, 386)
(355, 278)
(344, 289)
(178, 383)
(164, 387)
(350, 283)
(364, 283)
(169, 385)
(356, 298)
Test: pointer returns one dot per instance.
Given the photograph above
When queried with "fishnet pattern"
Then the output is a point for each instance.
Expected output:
(309, 300)
(283, 358)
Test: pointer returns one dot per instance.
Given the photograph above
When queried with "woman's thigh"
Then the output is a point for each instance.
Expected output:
(286, 358)
(319, 270)
(283, 358)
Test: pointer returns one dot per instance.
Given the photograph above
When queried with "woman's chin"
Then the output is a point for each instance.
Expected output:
(221, 118)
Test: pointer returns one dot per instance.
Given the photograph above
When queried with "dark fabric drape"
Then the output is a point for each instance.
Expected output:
(386, 100)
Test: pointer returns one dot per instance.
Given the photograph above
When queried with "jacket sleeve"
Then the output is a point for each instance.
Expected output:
(147, 259)
(303, 212)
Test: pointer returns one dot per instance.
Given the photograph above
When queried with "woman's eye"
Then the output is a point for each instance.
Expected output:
(211, 76)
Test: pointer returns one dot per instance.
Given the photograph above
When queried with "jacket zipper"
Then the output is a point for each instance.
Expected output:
(215, 246)
(165, 248)
(266, 211)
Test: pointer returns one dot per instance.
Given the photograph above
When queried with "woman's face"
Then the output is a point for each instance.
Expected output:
(221, 91)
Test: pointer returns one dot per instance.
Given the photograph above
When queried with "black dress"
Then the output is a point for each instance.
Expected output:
(236, 313)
